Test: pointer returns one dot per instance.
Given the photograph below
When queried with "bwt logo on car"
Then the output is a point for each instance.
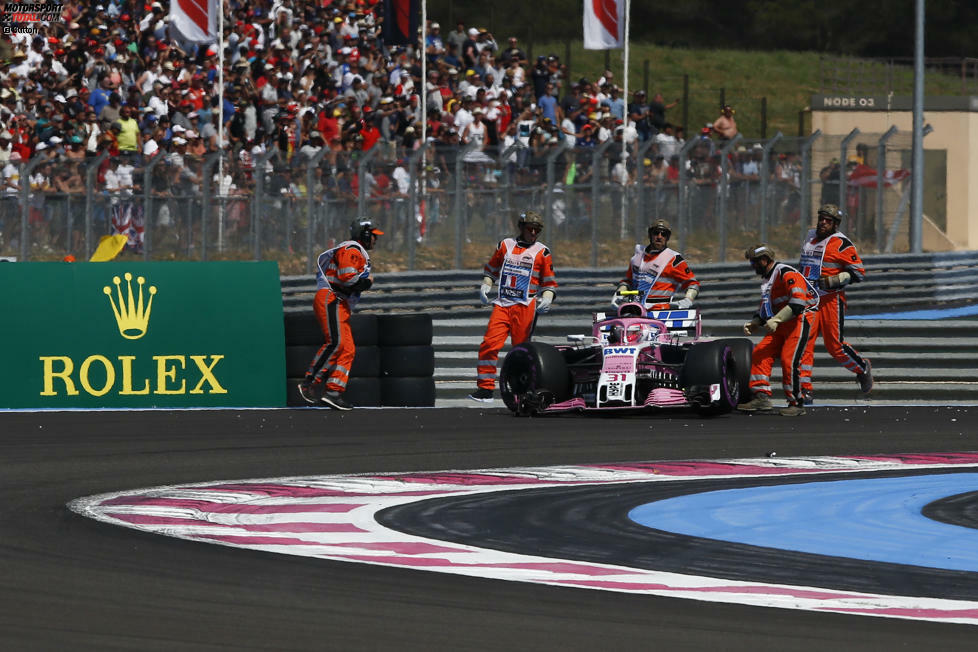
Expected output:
(620, 350)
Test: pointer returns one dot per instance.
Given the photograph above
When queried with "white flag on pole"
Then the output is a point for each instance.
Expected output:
(196, 20)
(604, 24)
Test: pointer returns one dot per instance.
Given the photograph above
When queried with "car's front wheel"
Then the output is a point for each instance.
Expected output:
(531, 368)
(709, 364)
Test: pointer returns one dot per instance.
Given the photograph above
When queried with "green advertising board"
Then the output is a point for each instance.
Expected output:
(173, 334)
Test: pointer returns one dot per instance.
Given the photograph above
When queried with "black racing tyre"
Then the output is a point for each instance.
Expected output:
(360, 392)
(404, 330)
(298, 358)
(743, 350)
(366, 362)
(407, 391)
(364, 392)
(365, 329)
(302, 328)
(707, 364)
(404, 361)
(533, 367)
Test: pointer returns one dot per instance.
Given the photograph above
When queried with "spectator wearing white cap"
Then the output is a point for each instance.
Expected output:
(434, 46)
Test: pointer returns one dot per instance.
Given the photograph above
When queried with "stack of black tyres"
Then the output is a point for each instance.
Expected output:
(394, 363)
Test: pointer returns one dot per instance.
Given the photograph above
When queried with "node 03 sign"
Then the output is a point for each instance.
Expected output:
(90, 335)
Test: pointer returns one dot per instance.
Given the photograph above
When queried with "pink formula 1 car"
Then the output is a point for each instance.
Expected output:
(634, 361)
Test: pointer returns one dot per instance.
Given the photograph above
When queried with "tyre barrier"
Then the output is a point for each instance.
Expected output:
(394, 363)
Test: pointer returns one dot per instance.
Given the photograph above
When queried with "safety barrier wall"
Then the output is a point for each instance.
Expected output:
(914, 360)
(394, 363)
(729, 290)
(179, 335)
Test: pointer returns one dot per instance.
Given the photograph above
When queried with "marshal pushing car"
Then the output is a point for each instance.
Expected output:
(635, 360)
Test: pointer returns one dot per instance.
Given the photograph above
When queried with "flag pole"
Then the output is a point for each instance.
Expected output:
(220, 124)
(624, 131)
(423, 98)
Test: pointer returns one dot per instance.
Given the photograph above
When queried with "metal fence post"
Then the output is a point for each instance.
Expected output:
(724, 173)
(683, 186)
(596, 157)
(806, 186)
(205, 208)
(880, 188)
(505, 187)
(367, 158)
(548, 209)
(765, 179)
(460, 200)
(259, 174)
(25, 205)
(640, 184)
(843, 181)
(90, 177)
(311, 167)
(148, 203)
(411, 230)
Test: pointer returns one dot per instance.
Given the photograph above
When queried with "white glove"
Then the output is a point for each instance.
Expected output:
(543, 303)
(782, 315)
(751, 326)
(484, 290)
(835, 281)
(686, 302)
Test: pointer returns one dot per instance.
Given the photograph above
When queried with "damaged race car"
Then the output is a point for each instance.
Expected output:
(636, 360)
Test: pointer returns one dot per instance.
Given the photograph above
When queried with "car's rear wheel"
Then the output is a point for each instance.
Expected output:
(708, 364)
(531, 368)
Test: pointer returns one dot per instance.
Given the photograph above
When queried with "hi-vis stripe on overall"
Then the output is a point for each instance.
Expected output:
(522, 273)
(338, 270)
(793, 339)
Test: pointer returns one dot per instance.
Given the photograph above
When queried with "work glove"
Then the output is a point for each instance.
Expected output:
(363, 284)
(687, 302)
(617, 298)
(834, 282)
(484, 290)
(782, 315)
(543, 303)
(751, 326)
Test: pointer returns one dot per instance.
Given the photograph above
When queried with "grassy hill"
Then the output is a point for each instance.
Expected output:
(786, 79)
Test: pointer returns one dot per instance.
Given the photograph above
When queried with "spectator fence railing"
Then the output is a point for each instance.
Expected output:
(719, 197)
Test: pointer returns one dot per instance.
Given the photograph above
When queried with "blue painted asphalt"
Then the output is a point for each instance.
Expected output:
(876, 519)
(948, 313)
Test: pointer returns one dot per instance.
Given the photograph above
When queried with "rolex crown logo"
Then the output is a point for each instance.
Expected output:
(131, 316)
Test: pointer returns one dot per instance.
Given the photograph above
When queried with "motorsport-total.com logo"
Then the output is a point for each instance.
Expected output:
(25, 17)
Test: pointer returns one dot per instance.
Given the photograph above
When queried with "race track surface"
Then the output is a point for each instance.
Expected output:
(70, 583)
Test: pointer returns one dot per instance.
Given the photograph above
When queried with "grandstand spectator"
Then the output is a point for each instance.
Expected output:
(639, 112)
(657, 111)
(725, 126)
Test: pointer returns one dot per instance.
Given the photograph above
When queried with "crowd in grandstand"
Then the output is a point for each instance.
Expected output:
(312, 82)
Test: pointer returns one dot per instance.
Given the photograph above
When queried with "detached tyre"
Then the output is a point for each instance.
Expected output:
(533, 367)
(709, 378)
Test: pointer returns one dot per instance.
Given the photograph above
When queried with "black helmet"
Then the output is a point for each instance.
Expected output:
(660, 225)
(758, 250)
(362, 229)
(832, 211)
(530, 217)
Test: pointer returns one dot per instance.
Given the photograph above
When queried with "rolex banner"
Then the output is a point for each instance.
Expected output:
(173, 334)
